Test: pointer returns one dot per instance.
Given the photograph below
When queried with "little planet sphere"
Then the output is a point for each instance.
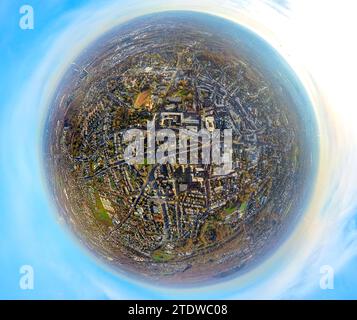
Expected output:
(168, 219)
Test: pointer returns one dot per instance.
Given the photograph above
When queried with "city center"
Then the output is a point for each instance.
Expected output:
(178, 222)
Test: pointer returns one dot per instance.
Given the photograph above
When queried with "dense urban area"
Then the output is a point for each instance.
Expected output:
(174, 222)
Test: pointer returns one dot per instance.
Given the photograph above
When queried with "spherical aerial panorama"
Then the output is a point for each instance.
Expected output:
(178, 149)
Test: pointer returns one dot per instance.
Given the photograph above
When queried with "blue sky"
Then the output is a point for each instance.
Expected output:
(31, 63)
